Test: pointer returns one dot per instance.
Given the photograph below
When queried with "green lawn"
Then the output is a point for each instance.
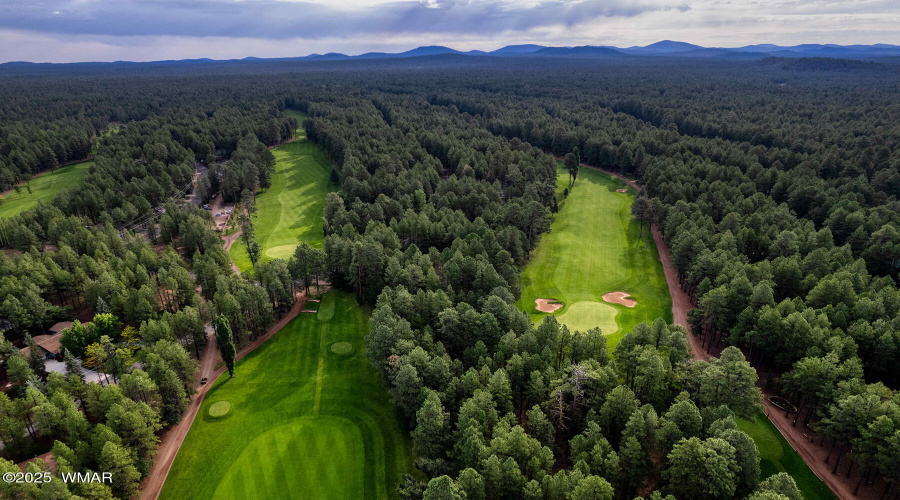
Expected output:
(776, 455)
(594, 247)
(44, 188)
(290, 211)
(305, 422)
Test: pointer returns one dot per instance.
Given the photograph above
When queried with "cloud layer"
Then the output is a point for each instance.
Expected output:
(140, 30)
(273, 19)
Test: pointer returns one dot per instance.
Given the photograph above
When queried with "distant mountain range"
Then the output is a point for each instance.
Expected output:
(667, 48)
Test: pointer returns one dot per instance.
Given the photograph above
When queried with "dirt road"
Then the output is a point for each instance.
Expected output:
(171, 440)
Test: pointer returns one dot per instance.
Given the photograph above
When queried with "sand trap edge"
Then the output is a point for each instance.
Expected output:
(549, 306)
(620, 298)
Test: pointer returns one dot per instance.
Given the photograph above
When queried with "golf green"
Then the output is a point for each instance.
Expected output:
(304, 423)
(595, 247)
(44, 187)
(290, 210)
(776, 455)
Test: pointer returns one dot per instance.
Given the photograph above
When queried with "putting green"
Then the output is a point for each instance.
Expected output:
(310, 424)
(281, 252)
(44, 187)
(594, 247)
(583, 316)
(290, 210)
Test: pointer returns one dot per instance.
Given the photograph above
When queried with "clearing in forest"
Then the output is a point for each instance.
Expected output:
(776, 455)
(289, 212)
(309, 418)
(43, 187)
(593, 248)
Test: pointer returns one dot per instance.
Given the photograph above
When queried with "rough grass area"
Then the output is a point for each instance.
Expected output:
(43, 188)
(594, 247)
(290, 211)
(304, 423)
(776, 455)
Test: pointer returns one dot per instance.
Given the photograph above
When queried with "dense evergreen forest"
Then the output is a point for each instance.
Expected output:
(775, 184)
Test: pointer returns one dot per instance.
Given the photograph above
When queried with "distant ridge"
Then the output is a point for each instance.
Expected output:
(582, 51)
(516, 49)
(664, 48)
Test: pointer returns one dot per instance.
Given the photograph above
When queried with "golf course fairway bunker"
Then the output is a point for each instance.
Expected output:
(547, 305)
(306, 458)
(595, 246)
(582, 316)
(622, 298)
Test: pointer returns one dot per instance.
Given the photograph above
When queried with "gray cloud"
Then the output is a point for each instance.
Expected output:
(272, 19)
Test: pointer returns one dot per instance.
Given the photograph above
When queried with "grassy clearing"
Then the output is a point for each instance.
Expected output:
(44, 188)
(290, 211)
(594, 247)
(305, 422)
(776, 455)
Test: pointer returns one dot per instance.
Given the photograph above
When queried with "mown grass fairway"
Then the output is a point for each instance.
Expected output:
(290, 211)
(305, 422)
(43, 188)
(776, 455)
(594, 247)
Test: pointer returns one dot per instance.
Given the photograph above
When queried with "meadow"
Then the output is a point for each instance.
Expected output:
(44, 187)
(776, 455)
(289, 212)
(594, 247)
(309, 418)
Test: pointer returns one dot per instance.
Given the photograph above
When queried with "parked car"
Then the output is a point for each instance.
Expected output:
(203, 381)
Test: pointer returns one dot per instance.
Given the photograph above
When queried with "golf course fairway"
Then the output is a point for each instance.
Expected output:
(594, 247)
(289, 212)
(44, 187)
(305, 422)
(776, 455)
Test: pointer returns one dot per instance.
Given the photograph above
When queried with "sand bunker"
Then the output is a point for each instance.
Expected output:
(547, 305)
(619, 298)
(623, 190)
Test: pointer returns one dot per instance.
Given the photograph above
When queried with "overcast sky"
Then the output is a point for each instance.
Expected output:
(145, 30)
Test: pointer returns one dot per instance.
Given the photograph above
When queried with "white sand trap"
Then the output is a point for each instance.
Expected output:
(619, 298)
(623, 190)
(547, 305)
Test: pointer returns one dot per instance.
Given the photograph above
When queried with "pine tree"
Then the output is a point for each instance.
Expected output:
(35, 356)
(73, 366)
(225, 343)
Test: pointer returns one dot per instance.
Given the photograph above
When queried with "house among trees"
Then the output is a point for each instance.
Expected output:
(50, 344)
